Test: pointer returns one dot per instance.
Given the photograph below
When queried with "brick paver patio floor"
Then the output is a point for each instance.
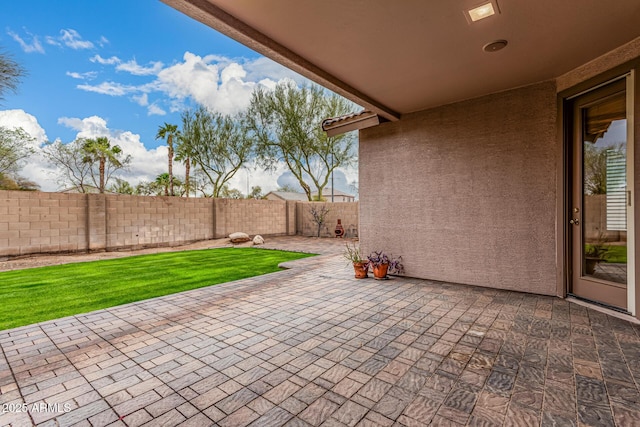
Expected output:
(313, 346)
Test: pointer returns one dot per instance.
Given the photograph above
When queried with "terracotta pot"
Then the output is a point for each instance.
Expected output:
(380, 271)
(360, 268)
(590, 264)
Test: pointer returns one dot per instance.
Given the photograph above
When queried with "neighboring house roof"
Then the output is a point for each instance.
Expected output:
(326, 192)
(287, 195)
(429, 54)
(341, 124)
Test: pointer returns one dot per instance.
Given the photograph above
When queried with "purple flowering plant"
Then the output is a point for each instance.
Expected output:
(378, 258)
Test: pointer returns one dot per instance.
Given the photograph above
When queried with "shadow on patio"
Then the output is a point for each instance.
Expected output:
(313, 346)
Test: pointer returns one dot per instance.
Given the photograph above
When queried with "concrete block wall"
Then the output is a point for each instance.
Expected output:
(34, 222)
(292, 227)
(348, 214)
(156, 221)
(265, 217)
(97, 221)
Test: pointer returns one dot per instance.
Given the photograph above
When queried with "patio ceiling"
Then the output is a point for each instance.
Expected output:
(399, 57)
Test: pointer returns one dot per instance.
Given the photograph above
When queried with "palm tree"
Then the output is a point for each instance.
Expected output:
(163, 182)
(184, 154)
(168, 131)
(100, 150)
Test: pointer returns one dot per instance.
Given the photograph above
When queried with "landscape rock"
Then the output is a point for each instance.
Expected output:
(239, 237)
(258, 240)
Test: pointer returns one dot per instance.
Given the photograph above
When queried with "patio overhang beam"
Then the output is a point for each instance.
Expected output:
(216, 18)
(338, 125)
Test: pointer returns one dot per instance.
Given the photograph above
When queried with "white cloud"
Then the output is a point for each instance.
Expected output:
(142, 100)
(253, 176)
(218, 88)
(90, 75)
(34, 46)
(109, 88)
(176, 106)
(341, 180)
(52, 41)
(131, 67)
(268, 83)
(71, 38)
(193, 77)
(146, 164)
(103, 41)
(105, 61)
(265, 69)
(90, 127)
(138, 70)
(36, 168)
(155, 110)
(221, 84)
(14, 119)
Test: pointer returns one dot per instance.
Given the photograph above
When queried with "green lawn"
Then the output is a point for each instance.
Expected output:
(616, 254)
(38, 294)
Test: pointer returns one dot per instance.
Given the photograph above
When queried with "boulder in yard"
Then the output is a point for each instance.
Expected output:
(239, 237)
(258, 240)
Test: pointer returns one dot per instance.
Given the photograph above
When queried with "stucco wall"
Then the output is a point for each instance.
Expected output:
(609, 60)
(466, 193)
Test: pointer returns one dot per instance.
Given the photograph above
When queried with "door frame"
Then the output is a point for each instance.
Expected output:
(565, 173)
(584, 286)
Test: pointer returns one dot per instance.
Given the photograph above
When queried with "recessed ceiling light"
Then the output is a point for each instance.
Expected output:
(482, 11)
(495, 46)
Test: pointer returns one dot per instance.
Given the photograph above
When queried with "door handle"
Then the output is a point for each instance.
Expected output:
(574, 221)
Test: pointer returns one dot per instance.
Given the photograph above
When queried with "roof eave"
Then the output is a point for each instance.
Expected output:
(361, 121)
(216, 18)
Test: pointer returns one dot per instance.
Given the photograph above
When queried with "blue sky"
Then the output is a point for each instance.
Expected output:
(121, 68)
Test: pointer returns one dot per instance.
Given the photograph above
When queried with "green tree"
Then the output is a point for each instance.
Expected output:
(121, 186)
(69, 160)
(86, 161)
(10, 74)
(14, 150)
(17, 183)
(168, 132)
(288, 188)
(255, 193)
(218, 144)
(144, 188)
(200, 183)
(231, 193)
(286, 123)
(108, 158)
(595, 169)
(163, 181)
